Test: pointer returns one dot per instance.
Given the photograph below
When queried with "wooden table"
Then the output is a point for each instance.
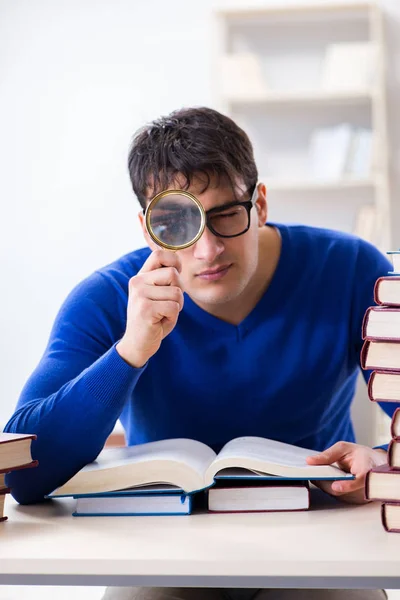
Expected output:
(330, 546)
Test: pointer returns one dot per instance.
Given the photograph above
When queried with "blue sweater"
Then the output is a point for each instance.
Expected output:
(287, 371)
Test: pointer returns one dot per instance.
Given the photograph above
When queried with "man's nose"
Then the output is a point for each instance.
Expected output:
(208, 247)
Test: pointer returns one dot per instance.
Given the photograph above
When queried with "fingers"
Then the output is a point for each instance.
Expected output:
(168, 310)
(333, 454)
(162, 258)
(170, 293)
(161, 276)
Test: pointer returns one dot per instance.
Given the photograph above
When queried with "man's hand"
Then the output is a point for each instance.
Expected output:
(154, 302)
(352, 458)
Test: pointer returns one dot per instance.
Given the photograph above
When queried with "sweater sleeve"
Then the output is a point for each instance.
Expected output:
(371, 264)
(75, 395)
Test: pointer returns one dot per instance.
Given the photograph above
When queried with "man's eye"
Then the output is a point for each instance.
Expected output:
(232, 213)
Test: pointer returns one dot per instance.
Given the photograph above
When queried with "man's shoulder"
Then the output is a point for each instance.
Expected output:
(330, 249)
(333, 241)
(123, 268)
(109, 282)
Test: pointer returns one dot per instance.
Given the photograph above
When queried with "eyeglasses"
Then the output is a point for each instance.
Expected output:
(233, 219)
(174, 218)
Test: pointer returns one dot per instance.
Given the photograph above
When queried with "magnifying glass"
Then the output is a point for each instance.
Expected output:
(175, 219)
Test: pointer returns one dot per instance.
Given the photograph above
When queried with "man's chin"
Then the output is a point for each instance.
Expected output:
(212, 297)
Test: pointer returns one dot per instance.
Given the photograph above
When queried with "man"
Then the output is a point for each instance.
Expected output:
(253, 330)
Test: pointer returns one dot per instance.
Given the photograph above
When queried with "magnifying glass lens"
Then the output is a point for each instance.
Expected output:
(175, 220)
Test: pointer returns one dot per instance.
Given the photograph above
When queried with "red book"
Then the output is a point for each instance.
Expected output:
(384, 386)
(387, 291)
(258, 496)
(15, 451)
(390, 516)
(381, 323)
(395, 424)
(3, 493)
(383, 483)
(381, 355)
(394, 454)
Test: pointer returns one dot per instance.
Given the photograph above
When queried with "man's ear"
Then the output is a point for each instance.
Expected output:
(261, 204)
(146, 236)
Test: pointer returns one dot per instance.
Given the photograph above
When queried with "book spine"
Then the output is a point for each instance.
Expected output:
(369, 386)
(377, 300)
(30, 465)
(390, 452)
(395, 416)
(365, 323)
(384, 518)
(364, 354)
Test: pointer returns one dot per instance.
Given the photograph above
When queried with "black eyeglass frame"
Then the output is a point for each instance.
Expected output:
(247, 204)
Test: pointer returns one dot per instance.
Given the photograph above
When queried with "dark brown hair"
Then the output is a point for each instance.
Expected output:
(194, 142)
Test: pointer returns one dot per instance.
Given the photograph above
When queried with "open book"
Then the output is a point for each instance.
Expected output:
(191, 465)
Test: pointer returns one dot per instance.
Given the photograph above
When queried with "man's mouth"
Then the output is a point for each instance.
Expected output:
(215, 273)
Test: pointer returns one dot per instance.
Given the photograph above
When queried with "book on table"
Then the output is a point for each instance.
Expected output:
(15, 454)
(192, 466)
(246, 495)
(384, 386)
(390, 516)
(381, 323)
(383, 483)
(387, 291)
(142, 501)
(15, 451)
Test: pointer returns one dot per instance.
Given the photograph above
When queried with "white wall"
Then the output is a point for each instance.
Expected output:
(77, 78)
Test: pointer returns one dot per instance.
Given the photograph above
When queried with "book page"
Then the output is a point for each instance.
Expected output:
(273, 457)
(181, 462)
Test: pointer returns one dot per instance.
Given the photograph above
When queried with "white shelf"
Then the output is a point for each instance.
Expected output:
(305, 185)
(295, 10)
(307, 98)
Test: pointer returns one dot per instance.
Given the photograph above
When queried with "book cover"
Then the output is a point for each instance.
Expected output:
(393, 454)
(133, 503)
(380, 355)
(390, 516)
(395, 424)
(243, 496)
(394, 256)
(387, 291)
(382, 483)
(15, 451)
(381, 323)
(384, 386)
(3, 493)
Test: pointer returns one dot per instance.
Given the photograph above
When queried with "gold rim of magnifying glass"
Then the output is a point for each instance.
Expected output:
(155, 201)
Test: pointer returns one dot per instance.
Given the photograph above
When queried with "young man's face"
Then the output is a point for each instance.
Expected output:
(217, 270)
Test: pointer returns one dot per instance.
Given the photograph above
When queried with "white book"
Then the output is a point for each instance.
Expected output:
(349, 66)
(262, 496)
(359, 163)
(328, 152)
(394, 256)
(192, 465)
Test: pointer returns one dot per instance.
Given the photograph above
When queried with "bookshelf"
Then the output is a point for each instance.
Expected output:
(307, 82)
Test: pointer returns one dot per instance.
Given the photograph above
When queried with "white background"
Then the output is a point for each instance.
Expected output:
(77, 78)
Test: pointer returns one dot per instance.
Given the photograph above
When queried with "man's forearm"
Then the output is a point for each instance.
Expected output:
(71, 425)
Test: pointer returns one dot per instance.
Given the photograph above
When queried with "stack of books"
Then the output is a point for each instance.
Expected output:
(167, 477)
(381, 354)
(15, 453)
